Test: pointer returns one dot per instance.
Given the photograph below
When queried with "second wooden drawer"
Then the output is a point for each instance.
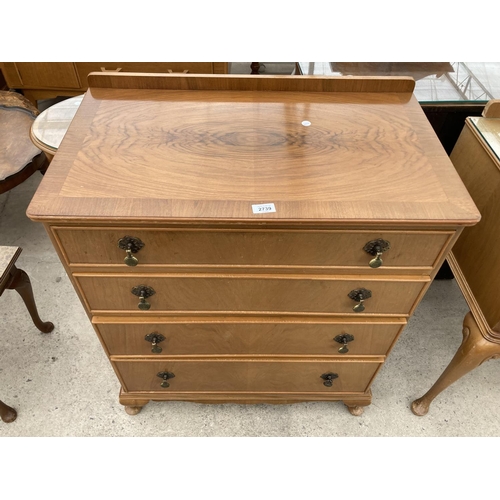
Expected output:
(250, 293)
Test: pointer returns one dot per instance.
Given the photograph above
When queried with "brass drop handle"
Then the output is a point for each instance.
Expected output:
(377, 261)
(143, 305)
(165, 376)
(343, 339)
(329, 378)
(131, 245)
(359, 295)
(155, 338)
(376, 248)
(130, 260)
(143, 292)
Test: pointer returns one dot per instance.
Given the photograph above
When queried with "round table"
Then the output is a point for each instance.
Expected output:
(50, 126)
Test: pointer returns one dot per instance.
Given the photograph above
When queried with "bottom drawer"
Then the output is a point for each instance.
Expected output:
(248, 375)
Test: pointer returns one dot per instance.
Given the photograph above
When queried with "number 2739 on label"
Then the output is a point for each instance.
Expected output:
(263, 207)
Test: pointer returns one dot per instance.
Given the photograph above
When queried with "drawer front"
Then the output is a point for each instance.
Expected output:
(247, 294)
(258, 337)
(84, 68)
(250, 248)
(247, 375)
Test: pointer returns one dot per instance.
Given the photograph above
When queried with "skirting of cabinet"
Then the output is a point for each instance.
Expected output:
(355, 402)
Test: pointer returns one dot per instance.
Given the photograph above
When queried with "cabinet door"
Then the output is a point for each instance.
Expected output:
(58, 75)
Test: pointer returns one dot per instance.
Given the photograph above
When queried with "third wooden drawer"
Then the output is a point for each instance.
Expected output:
(259, 336)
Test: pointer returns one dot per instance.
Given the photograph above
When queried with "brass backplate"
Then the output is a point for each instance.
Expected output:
(130, 243)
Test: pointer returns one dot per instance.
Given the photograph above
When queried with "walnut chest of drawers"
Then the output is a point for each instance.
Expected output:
(250, 239)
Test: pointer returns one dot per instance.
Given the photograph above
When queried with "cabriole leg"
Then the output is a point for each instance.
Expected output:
(473, 351)
(20, 282)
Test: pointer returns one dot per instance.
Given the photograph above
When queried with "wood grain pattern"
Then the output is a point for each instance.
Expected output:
(258, 336)
(249, 248)
(139, 399)
(245, 82)
(250, 293)
(475, 250)
(226, 375)
(52, 74)
(213, 154)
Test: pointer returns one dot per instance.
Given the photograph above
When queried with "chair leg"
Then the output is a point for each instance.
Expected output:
(7, 414)
(21, 284)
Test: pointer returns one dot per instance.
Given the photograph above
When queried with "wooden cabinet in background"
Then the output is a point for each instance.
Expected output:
(475, 259)
(46, 80)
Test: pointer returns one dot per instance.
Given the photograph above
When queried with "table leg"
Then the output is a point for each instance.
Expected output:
(473, 351)
(20, 282)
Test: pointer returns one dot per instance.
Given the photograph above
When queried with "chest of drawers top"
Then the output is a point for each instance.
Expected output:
(347, 152)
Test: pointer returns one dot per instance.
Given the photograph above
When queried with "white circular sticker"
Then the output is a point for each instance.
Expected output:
(306, 123)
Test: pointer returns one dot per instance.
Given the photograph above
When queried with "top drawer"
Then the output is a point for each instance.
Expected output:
(100, 246)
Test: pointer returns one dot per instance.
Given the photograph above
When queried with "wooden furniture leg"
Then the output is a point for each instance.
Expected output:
(13, 278)
(356, 404)
(7, 414)
(20, 282)
(473, 351)
(132, 405)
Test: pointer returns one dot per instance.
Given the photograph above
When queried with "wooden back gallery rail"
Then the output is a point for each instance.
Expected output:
(256, 239)
(288, 83)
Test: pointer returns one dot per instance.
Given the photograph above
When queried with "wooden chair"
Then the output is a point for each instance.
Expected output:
(19, 157)
(16, 279)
